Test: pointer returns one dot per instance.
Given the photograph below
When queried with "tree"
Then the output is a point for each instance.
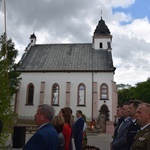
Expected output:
(123, 93)
(141, 91)
(9, 79)
(123, 86)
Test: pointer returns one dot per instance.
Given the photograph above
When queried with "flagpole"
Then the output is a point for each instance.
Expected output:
(6, 50)
(5, 29)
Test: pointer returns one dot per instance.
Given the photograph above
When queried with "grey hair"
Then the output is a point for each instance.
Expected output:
(47, 110)
(147, 105)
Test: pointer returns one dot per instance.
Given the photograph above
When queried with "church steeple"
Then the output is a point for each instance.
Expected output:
(102, 37)
(102, 29)
(32, 42)
(32, 39)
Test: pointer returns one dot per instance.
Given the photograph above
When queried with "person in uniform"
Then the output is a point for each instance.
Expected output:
(142, 139)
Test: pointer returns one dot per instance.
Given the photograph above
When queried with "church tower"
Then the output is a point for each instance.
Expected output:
(32, 39)
(102, 37)
(32, 42)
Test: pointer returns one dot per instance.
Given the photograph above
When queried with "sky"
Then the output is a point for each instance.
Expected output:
(74, 21)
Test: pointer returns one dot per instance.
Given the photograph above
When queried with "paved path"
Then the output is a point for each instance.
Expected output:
(100, 140)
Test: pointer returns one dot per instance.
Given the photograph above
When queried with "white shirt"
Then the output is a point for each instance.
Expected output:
(43, 125)
(85, 126)
(142, 128)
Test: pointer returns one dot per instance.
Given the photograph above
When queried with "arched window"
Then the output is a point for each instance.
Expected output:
(100, 45)
(81, 94)
(55, 95)
(30, 94)
(104, 92)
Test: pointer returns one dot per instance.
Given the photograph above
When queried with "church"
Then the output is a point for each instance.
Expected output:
(76, 75)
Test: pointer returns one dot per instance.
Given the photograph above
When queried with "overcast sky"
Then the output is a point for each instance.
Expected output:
(74, 21)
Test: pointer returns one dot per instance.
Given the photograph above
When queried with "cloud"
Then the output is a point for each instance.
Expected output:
(121, 3)
(74, 21)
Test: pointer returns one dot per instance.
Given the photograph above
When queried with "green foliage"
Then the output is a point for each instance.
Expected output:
(123, 96)
(141, 91)
(9, 79)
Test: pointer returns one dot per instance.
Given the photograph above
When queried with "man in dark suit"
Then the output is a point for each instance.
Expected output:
(134, 127)
(119, 141)
(142, 139)
(120, 119)
(46, 137)
(78, 130)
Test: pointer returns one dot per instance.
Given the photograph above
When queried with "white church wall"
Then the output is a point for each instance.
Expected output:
(61, 78)
(50, 78)
(104, 78)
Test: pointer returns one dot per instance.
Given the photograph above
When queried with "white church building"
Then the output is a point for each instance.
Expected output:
(76, 75)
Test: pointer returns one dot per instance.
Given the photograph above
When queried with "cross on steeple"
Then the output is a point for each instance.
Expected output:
(101, 13)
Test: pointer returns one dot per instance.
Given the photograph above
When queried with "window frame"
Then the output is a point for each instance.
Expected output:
(30, 95)
(78, 90)
(52, 94)
(102, 93)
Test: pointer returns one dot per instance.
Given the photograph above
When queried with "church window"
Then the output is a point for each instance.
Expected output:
(81, 95)
(30, 94)
(55, 95)
(100, 45)
(104, 92)
(109, 45)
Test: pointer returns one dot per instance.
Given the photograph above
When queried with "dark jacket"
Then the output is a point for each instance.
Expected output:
(78, 129)
(46, 138)
(134, 127)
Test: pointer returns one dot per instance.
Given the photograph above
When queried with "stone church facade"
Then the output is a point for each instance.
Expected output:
(76, 75)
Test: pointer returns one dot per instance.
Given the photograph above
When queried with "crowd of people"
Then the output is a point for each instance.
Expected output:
(132, 130)
(56, 132)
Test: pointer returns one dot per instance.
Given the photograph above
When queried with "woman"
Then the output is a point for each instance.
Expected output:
(58, 124)
(71, 123)
(65, 113)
